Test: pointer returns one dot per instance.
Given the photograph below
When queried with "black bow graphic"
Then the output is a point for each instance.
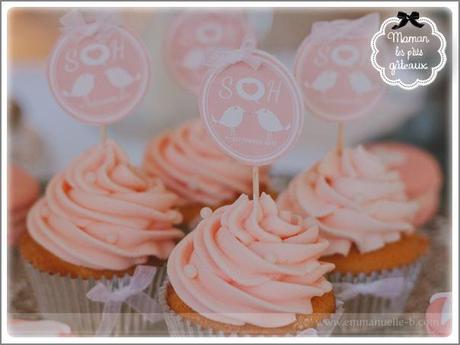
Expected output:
(405, 18)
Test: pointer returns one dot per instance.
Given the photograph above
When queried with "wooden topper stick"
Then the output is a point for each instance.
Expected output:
(255, 183)
(103, 133)
(340, 138)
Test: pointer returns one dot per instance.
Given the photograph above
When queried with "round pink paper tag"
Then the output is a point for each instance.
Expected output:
(193, 35)
(98, 71)
(334, 70)
(252, 107)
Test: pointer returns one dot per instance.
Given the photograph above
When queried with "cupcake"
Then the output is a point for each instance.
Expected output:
(41, 328)
(192, 166)
(248, 269)
(99, 220)
(420, 172)
(362, 209)
(23, 191)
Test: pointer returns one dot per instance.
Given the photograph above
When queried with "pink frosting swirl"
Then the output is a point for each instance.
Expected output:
(248, 263)
(104, 213)
(354, 198)
(191, 165)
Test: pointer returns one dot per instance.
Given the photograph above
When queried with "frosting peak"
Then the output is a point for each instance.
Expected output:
(104, 213)
(191, 165)
(249, 263)
(354, 198)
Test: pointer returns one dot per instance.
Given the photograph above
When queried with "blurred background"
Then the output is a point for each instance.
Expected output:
(43, 139)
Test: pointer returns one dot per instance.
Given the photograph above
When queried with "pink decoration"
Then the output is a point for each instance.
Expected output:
(251, 106)
(98, 71)
(354, 198)
(128, 216)
(193, 35)
(334, 70)
(439, 315)
(231, 280)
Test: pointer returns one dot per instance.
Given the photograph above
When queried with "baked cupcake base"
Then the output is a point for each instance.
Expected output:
(61, 294)
(184, 321)
(396, 254)
(402, 259)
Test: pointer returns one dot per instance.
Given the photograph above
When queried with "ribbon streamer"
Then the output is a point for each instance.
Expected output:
(405, 18)
(74, 21)
(385, 288)
(132, 294)
(226, 57)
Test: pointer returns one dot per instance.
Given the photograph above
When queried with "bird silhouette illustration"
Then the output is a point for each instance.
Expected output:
(231, 118)
(120, 78)
(270, 122)
(82, 87)
(324, 82)
(360, 83)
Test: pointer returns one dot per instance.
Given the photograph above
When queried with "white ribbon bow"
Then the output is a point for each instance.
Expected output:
(386, 288)
(132, 294)
(225, 57)
(74, 21)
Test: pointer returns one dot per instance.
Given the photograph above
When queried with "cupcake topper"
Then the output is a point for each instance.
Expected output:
(251, 106)
(335, 73)
(98, 71)
(193, 35)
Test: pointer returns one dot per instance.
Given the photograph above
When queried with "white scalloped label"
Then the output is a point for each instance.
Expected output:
(408, 51)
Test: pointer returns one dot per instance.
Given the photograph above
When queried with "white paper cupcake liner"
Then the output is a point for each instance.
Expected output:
(62, 298)
(179, 326)
(15, 272)
(367, 310)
